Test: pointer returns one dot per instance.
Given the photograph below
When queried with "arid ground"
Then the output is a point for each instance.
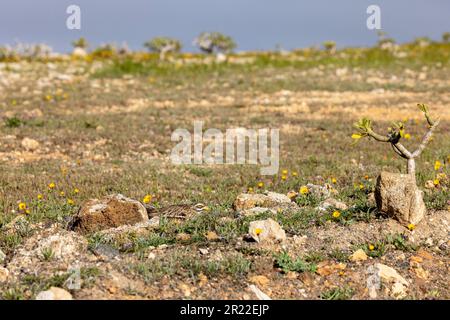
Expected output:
(77, 129)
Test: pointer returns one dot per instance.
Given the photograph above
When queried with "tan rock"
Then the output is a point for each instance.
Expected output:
(256, 211)
(398, 291)
(2, 256)
(266, 231)
(246, 201)
(358, 255)
(259, 280)
(110, 212)
(379, 274)
(292, 195)
(54, 293)
(32, 114)
(183, 237)
(421, 273)
(211, 236)
(202, 280)
(424, 254)
(398, 196)
(429, 184)
(30, 144)
(326, 268)
(66, 248)
(258, 293)
(332, 203)
(4, 274)
(389, 274)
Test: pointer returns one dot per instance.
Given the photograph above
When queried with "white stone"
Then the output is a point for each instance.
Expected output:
(266, 231)
(54, 293)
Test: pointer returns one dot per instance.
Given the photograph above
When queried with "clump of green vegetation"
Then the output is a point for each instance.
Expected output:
(339, 255)
(284, 261)
(393, 241)
(400, 242)
(163, 46)
(13, 122)
(47, 254)
(14, 293)
(375, 250)
(188, 264)
(89, 275)
(344, 293)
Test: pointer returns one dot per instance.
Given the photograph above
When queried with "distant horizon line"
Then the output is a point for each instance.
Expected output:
(277, 47)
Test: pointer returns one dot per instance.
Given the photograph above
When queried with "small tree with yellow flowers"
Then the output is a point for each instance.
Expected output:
(394, 136)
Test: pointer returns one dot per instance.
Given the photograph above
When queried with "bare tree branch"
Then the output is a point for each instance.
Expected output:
(398, 151)
(426, 139)
(377, 136)
(403, 150)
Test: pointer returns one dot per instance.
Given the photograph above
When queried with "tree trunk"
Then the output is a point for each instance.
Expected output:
(412, 167)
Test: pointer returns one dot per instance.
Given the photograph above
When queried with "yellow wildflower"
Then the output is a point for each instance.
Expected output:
(27, 211)
(411, 227)
(258, 231)
(336, 214)
(436, 182)
(294, 173)
(22, 206)
(260, 184)
(333, 180)
(304, 190)
(40, 196)
(76, 191)
(437, 165)
(250, 190)
(284, 172)
(147, 198)
(371, 247)
(70, 202)
(407, 136)
(51, 185)
(361, 187)
(62, 193)
(283, 177)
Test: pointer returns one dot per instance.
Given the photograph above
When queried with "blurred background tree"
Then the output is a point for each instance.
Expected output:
(210, 42)
(80, 43)
(446, 37)
(163, 46)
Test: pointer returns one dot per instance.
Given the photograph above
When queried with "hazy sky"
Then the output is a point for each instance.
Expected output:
(254, 24)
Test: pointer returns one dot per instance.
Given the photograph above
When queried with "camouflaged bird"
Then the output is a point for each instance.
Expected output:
(177, 212)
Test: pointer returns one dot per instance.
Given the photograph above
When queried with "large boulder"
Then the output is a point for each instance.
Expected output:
(398, 196)
(109, 212)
